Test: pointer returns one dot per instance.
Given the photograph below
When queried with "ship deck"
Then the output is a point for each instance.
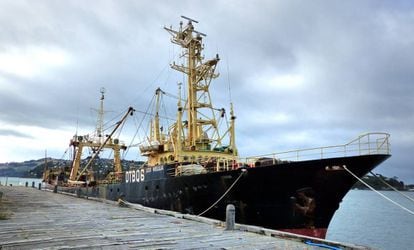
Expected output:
(30, 218)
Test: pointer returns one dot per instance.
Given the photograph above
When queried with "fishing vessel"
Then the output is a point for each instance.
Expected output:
(193, 165)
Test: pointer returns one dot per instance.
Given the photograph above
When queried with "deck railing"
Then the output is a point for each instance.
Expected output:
(365, 144)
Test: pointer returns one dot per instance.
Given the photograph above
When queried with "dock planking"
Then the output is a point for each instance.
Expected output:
(32, 219)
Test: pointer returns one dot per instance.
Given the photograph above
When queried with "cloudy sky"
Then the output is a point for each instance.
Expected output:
(301, 73)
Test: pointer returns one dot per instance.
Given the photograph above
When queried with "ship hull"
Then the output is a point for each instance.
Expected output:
(299, 197)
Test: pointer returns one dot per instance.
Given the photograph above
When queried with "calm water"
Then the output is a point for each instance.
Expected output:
(17, 181)
(366, 218)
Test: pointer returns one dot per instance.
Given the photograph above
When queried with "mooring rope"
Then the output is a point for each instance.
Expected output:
(225, 193)
(383, 196)
(393, 188)
(309, 242)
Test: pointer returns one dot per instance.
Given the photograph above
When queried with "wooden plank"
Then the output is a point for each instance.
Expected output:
(39, 219)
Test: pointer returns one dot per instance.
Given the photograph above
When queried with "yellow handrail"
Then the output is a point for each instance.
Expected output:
(365, 144)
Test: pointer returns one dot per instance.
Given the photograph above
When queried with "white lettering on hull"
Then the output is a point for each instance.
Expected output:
(334, 168)
(134, 176)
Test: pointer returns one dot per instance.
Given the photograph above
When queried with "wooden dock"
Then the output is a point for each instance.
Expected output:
(33, 219)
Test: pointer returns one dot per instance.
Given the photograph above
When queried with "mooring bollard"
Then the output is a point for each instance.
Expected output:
(27, 184)
(55, 189)
(230, 217)
(33, 184)
(40, 186)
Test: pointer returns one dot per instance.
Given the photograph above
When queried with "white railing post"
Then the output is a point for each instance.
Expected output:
(359, 146)
(369, 145)
(388, 146)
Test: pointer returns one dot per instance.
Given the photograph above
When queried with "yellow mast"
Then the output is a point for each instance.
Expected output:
(179, 132)
(97, 143)
(195, 137)
(156, 123)
(232, 131)
(101, 112)
(199, 76)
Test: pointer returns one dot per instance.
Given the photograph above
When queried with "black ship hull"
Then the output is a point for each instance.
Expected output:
(299, 197)
(190, 169)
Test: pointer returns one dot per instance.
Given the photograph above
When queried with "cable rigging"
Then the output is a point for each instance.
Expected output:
(393, 188)
(383, 196)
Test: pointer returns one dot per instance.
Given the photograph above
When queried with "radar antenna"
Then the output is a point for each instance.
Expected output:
(189, 19)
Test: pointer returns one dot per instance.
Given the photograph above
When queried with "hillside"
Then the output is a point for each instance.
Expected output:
(35, 168)
(23, 169)
(378, 183)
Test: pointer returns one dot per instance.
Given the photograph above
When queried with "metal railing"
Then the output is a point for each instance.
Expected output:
(365, 144)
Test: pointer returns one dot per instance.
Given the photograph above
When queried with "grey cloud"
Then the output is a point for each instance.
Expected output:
(355, 57)
(15, 133)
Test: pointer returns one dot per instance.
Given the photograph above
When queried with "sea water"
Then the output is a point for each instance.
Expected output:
(366, 218)
(18, 181)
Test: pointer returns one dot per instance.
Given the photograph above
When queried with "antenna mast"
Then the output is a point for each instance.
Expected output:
(196, 136)
(199, 76)
(99, 125)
